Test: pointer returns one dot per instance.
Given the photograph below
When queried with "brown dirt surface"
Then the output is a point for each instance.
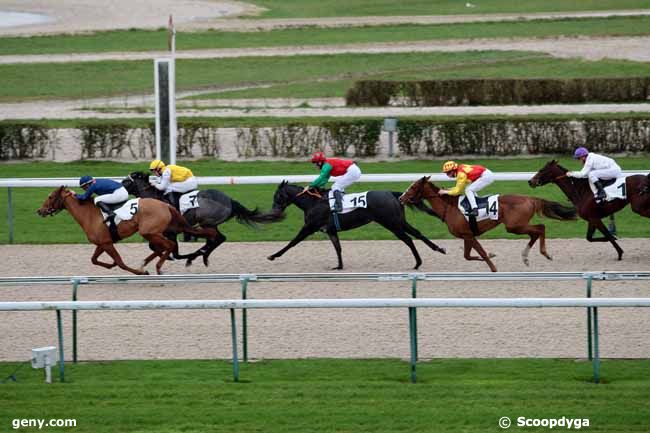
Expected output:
(363, 333)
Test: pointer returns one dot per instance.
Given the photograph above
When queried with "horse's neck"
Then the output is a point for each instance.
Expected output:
(147, 191)
(83, 213)
(574, 189)
(438, 203)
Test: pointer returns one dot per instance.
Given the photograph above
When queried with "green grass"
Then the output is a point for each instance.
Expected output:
(144, 40)
(30, 228)
(96, 79)
(329, 395)
(341, 8)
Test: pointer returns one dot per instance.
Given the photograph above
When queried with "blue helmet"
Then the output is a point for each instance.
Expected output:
(85, 180)
(580, 152)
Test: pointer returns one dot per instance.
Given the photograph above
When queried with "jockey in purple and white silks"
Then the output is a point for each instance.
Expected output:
(597, 168)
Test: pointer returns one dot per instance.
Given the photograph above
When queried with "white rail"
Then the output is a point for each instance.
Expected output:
(331, 276)
(328, 303)
(250, 180)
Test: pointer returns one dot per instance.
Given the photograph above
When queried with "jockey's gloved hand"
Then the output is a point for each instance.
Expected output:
(569, 174)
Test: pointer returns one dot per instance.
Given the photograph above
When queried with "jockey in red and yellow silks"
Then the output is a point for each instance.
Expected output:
(470, 179)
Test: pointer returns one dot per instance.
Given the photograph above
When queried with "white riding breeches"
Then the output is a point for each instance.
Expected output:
(117, 196)
(352, 175)
(608, 173)
(486, 178)
(189, 184)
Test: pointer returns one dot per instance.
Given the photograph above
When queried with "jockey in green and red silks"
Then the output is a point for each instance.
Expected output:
(346, 171)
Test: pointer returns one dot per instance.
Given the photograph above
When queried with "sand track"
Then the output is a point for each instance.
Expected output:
(331, 333)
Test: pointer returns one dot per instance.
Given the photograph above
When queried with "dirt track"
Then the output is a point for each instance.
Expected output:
(331, 333)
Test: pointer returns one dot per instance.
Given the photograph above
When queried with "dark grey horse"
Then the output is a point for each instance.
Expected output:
(383, 207)
(214, 209)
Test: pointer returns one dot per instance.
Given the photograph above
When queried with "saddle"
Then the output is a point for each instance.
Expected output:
(488, 207)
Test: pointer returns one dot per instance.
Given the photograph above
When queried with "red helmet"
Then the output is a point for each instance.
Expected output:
(318, 157)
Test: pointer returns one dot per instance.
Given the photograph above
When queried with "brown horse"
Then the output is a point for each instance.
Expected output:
(579, 192)
(152, 219)
(515, 212)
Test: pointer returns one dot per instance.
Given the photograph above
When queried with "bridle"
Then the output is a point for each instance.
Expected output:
(58, 203)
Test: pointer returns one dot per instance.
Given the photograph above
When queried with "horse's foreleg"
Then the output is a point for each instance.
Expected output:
(111, 251)
(337, 247)
(95, 259)
(484, 255)
(418, 235)
(302, 234)
(607, 236)
(163, 248)
(467, 251)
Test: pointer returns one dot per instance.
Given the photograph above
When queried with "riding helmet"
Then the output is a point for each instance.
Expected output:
(449, 166)
(318, 157)
(580, 152)
(85, 180)
(157, 164)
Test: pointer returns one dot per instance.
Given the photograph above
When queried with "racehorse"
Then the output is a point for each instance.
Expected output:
(515, 212)
(150, 221)
(214, 208)
(578, 191)
(382, 208)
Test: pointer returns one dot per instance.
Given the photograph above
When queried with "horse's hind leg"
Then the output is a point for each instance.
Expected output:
(212, 245)
(302, 234)
(111, 251)
(402, 236)
(534, 232)
(95, 259)
(418, 235)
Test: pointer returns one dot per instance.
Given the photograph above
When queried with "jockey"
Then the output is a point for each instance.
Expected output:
(470, 179)
(108, 192)
(175, 180)
(346, 171)
(597, 168)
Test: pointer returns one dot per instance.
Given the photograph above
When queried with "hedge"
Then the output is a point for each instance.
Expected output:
(357, 138)
(498, 92)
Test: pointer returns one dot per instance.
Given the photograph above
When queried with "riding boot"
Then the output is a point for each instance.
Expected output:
(338, 201)
(473, 212)
(106, 208)
(600, 194)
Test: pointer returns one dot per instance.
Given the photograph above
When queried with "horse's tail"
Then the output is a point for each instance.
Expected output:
(555, 210)
(417, 206)
(251, 217)
(180, 225)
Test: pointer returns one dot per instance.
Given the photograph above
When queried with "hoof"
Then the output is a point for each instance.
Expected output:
(491, 255)
(205, 262)
(548, 256)
(271, 258)
(442, 250)
(526, 262)
(337, 268)
(145, 273)
(188, 263)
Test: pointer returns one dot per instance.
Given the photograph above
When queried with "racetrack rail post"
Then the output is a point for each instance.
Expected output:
(75, 285)
(589, 331)
(235, 360)
(59, 327)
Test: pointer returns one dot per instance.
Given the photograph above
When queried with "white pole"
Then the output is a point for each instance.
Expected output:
(172, 95)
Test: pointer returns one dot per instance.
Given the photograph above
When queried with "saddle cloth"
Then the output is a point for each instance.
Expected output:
(124, 212)
(188, 201)
(614, 188)
(350, 202)
(488, 207)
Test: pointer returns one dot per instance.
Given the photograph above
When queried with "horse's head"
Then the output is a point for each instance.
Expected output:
(547, 174)
(284, 195)
(416, 192)
(137, 184)
(54, 202)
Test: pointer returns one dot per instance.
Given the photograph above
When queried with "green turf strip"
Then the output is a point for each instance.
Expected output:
(329, 395)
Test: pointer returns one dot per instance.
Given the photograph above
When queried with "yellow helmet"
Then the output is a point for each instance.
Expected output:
(157, 164)
(449, 166)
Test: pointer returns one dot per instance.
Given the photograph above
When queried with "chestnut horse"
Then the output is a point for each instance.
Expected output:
(152, 219)
(579, 192)
(515, 212)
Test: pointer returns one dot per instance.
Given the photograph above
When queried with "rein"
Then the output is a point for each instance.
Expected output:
(309, 192)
